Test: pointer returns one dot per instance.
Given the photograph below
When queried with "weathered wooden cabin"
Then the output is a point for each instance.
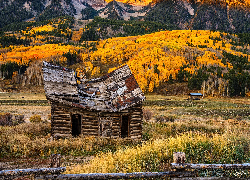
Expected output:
(109, 106)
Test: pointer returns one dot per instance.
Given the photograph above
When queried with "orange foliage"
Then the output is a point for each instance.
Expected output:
(76, 36)
(154, 57)
(22, 55)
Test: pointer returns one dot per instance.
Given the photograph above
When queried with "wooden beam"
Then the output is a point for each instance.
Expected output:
(135, 175)
(210, 166)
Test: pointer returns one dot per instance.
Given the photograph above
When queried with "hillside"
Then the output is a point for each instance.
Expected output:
(216, 63)
(229, 16)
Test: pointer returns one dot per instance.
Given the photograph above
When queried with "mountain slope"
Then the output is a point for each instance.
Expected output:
(225, 15)
(202, 15)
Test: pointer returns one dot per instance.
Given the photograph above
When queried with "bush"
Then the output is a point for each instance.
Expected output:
(36, 118)
(18, 119)
(147, 114)
(6, 119)
(163, 118)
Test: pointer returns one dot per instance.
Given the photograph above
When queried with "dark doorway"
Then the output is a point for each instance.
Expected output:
(76, 124)
(125, 126)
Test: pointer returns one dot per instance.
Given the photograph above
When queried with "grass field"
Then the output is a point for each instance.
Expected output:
(210, 130)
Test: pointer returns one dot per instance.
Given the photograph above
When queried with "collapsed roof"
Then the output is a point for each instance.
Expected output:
(112, 92)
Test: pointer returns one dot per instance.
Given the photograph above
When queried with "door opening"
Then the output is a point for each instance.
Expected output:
(125, 126)
(76, 124)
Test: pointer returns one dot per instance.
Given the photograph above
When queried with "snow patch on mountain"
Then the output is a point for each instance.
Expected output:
(47, 3)
(79, 7)
(26, 5)
(189, 8)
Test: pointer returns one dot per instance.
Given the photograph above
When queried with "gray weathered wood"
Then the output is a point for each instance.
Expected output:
(23, 172)
(210, 166)
(55, 160)
(134, 175)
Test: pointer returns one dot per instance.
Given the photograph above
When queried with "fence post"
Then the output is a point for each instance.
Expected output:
(179, 157)
(55, 160)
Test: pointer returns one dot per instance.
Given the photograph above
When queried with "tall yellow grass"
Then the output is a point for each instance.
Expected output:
(155, 155)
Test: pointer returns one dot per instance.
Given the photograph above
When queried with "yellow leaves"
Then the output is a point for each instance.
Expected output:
(88, 66)
(25, 54)
(95, 72)
(152, 58)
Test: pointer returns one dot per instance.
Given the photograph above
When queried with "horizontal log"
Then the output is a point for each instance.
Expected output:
(61, 116)
(60, 128)
(90, 127)
(61, 135)
(210, 166)
(136, 116)
(90, 134)
(90, 131)
(23, 172)
(135, 124)
(136, 136)
(135, 131)
(58, 119)
(136, 119)
(110, 115)
(90, 118)
(89, 124)
(87, 117)
(136, 113)
(59, 111)
(60, 123)
(117, 130)
(61, 132)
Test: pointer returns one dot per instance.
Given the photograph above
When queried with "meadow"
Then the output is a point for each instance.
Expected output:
(209, 130)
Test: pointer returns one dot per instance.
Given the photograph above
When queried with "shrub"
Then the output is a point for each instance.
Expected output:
(36, 118)
(6, 119)
(147, 114)
(163, 118)
(49, 117)
(18, 119)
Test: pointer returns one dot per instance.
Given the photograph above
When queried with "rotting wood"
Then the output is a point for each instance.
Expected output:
(135, 124)
(135, 175)
(135, 131)
(210, 166)
(62, 123)
(24, 172)
(94, 100)
(55, 161)
(179, 157)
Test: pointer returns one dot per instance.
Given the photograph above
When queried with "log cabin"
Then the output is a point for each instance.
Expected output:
(109, 106)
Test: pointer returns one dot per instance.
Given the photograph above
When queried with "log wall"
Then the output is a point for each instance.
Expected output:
(136, 122)
(95, 123)
(60, 121)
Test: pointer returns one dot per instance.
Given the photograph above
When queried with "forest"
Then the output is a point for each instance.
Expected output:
(214, 62)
